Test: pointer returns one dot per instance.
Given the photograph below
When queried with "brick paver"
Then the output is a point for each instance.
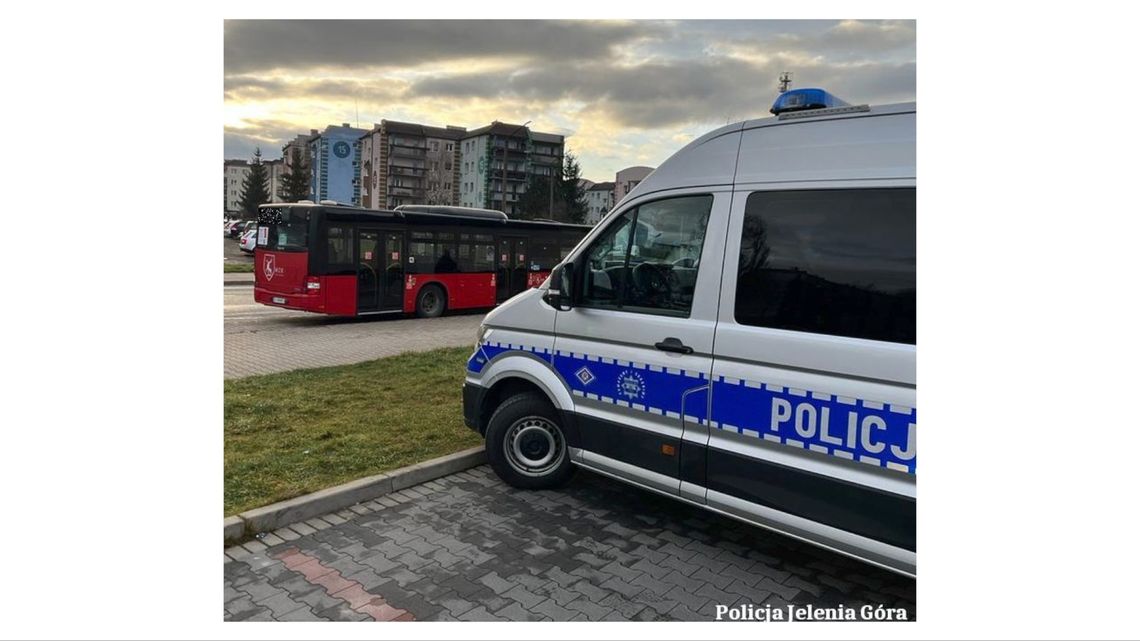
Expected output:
(467, 547)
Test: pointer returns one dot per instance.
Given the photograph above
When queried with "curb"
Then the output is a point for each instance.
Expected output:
(239, 283)
(276, 515)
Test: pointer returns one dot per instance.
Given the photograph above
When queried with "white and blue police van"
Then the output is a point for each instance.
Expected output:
(738, 333)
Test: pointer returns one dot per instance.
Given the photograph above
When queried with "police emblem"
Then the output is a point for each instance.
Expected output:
(585, 376)
(631, 385)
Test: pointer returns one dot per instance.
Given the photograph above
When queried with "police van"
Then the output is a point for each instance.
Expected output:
(738, 333)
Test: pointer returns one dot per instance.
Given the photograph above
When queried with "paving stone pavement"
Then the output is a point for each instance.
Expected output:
(468, 547)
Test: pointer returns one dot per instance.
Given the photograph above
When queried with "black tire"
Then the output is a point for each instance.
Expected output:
(430, 302)
(526, 429)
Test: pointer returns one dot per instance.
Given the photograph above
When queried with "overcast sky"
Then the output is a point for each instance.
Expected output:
(623, 93)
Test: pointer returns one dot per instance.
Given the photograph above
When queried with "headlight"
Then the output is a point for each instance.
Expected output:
(479, 334)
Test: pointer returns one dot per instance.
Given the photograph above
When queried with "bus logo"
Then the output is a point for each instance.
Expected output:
(270, 266)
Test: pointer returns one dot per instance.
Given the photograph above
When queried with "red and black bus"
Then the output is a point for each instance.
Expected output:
(349, 261)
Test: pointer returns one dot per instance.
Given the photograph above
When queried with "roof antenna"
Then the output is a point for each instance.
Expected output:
(785, 81)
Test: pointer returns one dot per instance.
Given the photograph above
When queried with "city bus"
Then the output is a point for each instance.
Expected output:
(348, 261)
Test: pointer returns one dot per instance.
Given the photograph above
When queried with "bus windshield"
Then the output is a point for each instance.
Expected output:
(288, 228)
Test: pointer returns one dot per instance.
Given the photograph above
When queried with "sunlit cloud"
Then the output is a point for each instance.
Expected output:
(623, 92)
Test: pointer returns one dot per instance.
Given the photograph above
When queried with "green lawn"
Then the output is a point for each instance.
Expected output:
(238, 268)
(297, 432)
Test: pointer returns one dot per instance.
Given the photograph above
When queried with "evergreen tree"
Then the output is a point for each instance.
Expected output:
(255, 187)
(295, 183)
(571, 193)
(535, 202)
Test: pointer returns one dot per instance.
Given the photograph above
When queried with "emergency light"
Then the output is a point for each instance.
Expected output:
(804, 99)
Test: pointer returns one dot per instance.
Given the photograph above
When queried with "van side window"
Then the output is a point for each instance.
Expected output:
(838, 262)
(654, 268)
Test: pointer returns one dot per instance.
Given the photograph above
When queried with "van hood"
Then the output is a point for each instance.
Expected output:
(525, 312)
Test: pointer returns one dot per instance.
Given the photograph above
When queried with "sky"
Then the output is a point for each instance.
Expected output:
(623, 93)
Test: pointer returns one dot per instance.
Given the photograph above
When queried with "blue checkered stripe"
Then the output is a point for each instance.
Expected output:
(870, 432)
(642, 386)
(489, 350)
(875, 433)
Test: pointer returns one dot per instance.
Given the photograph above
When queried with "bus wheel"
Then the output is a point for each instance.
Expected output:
(526, 445)
(430, 302)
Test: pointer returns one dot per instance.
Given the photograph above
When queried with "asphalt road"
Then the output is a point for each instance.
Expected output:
(262, 340)
(233, 254)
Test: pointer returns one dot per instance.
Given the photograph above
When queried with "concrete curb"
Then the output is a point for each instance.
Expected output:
(239, 283)
(276, 515)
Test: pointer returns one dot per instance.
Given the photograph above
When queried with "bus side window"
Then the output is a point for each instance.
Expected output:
(421, 252)
(476, 253)
(340, 249)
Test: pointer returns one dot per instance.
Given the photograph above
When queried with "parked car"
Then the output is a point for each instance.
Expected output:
(234, 229)
(248, 240)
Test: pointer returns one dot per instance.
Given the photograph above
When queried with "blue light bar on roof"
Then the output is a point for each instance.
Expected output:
(804, 99)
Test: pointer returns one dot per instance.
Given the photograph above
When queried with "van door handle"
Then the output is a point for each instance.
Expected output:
(673, 345)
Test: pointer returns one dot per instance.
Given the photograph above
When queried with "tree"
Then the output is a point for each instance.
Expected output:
(570, 192)
(255, 187)
(295, 182)
(435, 194)
(536, 201)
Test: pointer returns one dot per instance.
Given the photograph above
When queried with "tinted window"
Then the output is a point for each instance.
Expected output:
(476, 253)
(838, 262)
(421, 253)
(339, 248)
(654, 268)
(445, 253)
(544, 252)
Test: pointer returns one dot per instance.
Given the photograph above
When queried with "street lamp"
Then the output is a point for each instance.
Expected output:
(504, 174)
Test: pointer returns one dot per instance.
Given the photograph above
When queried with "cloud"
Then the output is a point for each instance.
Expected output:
(251, 87)
(624, 93)
(662, 94)
(261, 45)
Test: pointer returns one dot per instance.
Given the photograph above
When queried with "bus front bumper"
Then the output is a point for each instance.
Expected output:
(300, 302)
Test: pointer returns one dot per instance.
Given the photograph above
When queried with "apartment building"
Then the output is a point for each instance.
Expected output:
(334, 158)
(599, 201)
(498, 161)
(405, 163)
(627, 179)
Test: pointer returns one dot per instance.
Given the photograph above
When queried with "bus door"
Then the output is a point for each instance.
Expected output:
(368, 271)
(393, 262)
(512, 272)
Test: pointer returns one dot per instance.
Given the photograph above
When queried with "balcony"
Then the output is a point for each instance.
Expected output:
(407, 151)
(404, 170)
(404, 191)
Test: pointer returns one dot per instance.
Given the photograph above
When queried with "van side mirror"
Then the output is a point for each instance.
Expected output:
(558, 295)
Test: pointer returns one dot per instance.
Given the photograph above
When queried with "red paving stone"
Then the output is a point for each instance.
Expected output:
(351, 592)
(332, 582)
(356, 595)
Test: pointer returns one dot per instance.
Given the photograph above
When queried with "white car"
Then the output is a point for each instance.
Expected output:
(248, 240)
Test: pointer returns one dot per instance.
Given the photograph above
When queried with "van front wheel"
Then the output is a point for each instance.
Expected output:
(526, 445)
